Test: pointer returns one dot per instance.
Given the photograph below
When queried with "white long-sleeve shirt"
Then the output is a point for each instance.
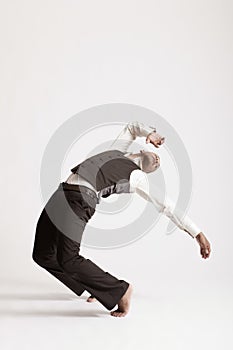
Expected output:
(139, 182)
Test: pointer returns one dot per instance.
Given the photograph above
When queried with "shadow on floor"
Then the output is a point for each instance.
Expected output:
(47, 313)
(54, 313)
(40, 296)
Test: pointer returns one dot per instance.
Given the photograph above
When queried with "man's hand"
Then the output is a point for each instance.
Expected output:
(156, 139)
(204, 245)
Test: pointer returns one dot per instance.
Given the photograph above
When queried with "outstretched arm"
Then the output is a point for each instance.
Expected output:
(133, 130)
(167, 207)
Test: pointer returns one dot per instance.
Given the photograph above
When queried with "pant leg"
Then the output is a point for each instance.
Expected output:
(58, 253)
(106, 288)
(45, 253)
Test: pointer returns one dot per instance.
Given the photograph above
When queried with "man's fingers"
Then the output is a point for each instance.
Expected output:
(208, 250)
(156, 140)
(205, 252)
(162, 140)
(153, 142)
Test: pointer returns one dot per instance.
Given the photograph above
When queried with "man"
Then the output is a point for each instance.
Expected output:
(59, 231)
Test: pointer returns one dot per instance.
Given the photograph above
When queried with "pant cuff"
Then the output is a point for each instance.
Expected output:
(115, 297)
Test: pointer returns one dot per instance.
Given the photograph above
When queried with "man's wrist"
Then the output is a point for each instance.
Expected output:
(199, 235)
(140, 129)
(152, 131)
(153, 128)
(149, 130)
(192, 231)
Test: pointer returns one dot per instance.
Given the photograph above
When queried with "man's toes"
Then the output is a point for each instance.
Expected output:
(91, 299)
(114, 313)
(117, 313)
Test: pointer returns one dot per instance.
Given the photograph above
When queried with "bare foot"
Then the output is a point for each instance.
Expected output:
(91, 299)
(124, 303)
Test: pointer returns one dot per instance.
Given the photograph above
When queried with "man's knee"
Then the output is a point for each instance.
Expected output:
(36, 258)
(39, 260)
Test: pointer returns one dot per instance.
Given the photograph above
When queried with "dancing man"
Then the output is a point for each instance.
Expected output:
(62, 221)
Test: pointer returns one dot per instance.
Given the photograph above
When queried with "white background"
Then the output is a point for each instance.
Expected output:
(173, 57)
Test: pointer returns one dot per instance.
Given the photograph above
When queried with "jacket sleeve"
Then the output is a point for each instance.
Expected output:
(151, 193)
(129, 134)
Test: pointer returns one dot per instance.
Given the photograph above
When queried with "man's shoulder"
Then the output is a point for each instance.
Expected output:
(110, 152)
(138, 175)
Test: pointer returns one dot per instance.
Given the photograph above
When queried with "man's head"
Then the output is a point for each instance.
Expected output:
(150, 161)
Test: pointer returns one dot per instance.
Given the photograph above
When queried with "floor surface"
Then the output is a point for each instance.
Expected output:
(56, 319)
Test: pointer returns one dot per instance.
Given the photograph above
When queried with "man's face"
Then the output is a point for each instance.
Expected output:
(150, 161)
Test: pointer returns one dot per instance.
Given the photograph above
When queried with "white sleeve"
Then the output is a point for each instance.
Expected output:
(140, 185)
(129, 134)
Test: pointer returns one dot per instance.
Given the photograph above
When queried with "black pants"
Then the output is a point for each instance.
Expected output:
(57, 244)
